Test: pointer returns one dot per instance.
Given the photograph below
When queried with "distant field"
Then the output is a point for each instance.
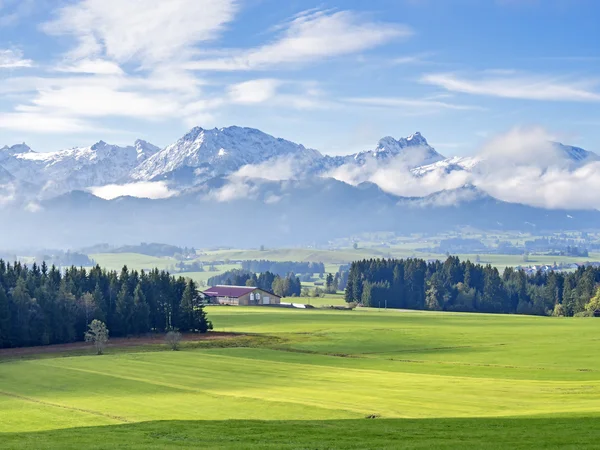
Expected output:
(137, 261)
(294, 254)
(432, 380)
(331, 258)
(202, 277)
(326, 300)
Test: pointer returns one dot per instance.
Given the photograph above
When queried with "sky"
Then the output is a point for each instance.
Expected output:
(333, 75)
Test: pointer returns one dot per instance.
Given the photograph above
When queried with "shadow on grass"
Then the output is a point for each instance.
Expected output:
(496, 433)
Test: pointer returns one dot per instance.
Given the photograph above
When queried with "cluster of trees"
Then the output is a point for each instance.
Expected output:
(41, 305)
(283, 268)
(66, 259)
(284, 286)
(156, 249)
(463, 286)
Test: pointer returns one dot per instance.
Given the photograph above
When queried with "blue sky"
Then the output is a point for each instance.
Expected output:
(333, 75)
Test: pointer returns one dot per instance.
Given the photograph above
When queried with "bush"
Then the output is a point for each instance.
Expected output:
(173, 339)
(584, 314)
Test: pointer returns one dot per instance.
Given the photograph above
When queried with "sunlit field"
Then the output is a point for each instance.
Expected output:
(312, 378)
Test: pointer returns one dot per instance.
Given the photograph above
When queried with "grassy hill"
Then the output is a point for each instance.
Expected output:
(310, 379)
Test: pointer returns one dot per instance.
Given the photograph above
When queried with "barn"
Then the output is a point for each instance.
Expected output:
(241, 295)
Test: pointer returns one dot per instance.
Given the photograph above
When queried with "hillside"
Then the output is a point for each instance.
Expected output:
(461, 379)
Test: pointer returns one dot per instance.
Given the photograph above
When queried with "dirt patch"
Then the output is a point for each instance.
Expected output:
(113, 343)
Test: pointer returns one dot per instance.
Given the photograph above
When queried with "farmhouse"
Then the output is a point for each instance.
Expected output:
(241, 295)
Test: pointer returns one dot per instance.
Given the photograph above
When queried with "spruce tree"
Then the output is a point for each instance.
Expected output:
(100, 303)
(4, 319)
(124, 311)
(187, 321)
(141, 312)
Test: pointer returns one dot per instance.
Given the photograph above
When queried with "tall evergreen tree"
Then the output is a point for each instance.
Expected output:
(4, 319)
(141, 312)
(124, 311)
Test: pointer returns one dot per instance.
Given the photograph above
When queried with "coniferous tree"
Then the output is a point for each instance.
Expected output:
(4, 319)
(141, 312)
(124, 311)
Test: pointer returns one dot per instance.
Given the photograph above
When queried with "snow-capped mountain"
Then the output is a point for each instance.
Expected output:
(205, 154)
(220, 151)
(414, 150)
(76, 168)
(563, 157)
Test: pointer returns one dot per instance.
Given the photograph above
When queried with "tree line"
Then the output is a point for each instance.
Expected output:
(283, 286)
(41, 305)
(283, 268)
(463, 286)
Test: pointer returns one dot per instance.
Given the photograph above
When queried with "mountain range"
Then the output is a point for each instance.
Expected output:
(240, 186)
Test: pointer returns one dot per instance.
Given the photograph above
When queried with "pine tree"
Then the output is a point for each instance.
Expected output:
(192, 316)
(141, 312)
(186, 308)
(4, 319)
(124, 311)
(100, 303)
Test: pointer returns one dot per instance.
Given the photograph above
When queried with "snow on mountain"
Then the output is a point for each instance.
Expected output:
(576, 155)
(220, 151)
(446, 166)
(413, 151)
(203, 154)
(566, 157)
(7, 152)
(76, 168)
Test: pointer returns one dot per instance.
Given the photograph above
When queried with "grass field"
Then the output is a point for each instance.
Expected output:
(137, 261)
(310, 379)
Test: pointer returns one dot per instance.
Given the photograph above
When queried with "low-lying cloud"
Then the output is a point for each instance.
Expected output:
(520, 166)
(143, 189)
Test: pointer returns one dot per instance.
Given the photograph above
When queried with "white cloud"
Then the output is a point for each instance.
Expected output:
(148, 31)
(412, 104)
(36, 122)
(236, 189)
(394, 176)
(13, 59)
(527, 87)
(100, 101)
(92, 66)
(143, 189)
(281, 168)
(520, 166)
(311, 36)
(253, 91)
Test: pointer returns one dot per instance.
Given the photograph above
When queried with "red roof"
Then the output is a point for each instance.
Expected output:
(229, 291)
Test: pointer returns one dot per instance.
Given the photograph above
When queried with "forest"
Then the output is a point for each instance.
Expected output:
(282, 268)
(463, 286)
(41, 305)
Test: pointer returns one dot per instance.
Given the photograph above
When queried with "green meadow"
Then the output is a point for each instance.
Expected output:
(320, 379)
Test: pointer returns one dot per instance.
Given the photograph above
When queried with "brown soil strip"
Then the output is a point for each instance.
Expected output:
(113, 343)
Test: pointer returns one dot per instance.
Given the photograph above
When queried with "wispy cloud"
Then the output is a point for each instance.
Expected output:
(13, 59)
(35, 122)
(412, 104)
(253, 91)
(148, 31)
(311, 36)
(510, 85)
(92, 66)
(519, 166)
